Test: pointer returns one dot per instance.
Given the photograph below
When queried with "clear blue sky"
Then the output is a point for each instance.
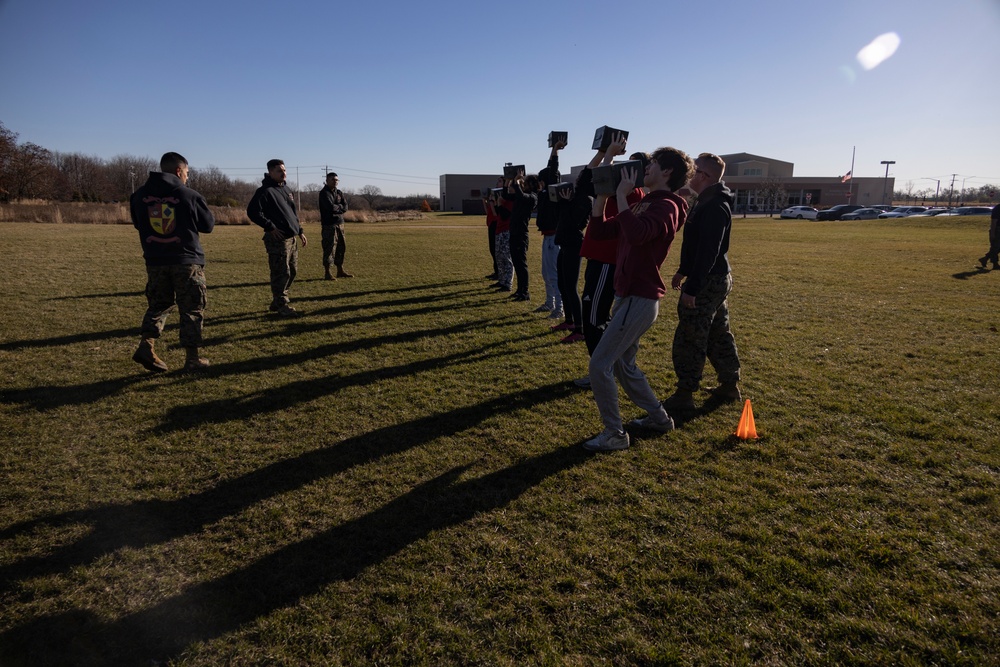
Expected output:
(394, 94)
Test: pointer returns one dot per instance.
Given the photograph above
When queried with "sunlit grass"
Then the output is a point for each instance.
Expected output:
(396, 477)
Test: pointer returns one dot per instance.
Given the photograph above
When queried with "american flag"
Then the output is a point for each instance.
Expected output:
(846, 177)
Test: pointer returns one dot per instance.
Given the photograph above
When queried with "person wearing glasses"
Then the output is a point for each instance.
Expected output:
(705, 281)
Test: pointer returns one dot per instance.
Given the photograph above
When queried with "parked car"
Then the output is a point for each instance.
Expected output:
(834, 212)
(799, 212)
(930, 212)
(969, 210)
(861, 214)
(902, 212)
(881, 207)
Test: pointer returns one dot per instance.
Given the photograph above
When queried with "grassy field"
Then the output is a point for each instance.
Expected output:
(396, 478)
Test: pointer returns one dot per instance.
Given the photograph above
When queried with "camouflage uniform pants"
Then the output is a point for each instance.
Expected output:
(333, 245)
(505, 269)
(703, 332)
(180, 283)
(283, 259)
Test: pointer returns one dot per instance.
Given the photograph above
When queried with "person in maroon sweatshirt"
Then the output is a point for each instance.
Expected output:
(645, 232)
(598, 278)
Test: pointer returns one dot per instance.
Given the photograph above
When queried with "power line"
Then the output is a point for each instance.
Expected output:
(428, 181)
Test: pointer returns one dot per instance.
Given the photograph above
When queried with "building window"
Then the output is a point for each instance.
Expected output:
(754, 171)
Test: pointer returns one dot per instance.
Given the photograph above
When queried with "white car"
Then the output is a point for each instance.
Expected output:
(862, 214)
(799, 212)
(902, 212)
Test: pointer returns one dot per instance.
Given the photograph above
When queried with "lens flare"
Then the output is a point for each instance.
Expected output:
(879, 50)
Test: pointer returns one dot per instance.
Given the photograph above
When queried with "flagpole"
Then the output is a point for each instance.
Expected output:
(850, 186)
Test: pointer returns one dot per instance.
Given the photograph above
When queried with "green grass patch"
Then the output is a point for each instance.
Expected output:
(396, 477)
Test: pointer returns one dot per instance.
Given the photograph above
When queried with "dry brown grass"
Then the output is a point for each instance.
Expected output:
(117, 214)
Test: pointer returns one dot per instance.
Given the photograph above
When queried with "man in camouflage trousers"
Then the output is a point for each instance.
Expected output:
(704, 280)
(332, 207)
(273, 208)
(169, 217)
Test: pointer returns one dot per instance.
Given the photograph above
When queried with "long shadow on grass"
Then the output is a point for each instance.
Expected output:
(70, 339)
(301, 568)
(365, 316)
(50, 397)
(211, 609)
(287, 396)
(397, 290)
(965, 275)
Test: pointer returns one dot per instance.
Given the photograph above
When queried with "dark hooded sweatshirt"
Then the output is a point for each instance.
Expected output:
(273, 207)
(548, 211)
(706, 238)
(169, 217)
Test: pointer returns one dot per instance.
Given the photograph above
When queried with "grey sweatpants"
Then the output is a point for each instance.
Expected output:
(614, 357)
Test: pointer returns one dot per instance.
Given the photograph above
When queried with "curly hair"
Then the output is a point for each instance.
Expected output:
(680, 164)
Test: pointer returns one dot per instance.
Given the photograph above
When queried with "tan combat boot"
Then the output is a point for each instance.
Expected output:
(194, 362)
(145, 355)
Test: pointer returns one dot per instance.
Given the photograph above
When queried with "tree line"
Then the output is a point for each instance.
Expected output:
(29, 171)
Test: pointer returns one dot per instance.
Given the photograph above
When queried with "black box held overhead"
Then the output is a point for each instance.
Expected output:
(604, 135)
(512, 170)
(608, 176)
(556, 188)
(555, 137)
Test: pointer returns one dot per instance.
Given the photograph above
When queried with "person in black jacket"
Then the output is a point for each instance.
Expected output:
(574, 214)
(273, 208)
(332, 207)
(705, 281)
(169, 218)
(547, 221)
(523, 193)
(993, 255)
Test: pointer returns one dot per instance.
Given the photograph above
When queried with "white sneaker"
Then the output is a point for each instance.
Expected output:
(653, 423)
(607, 441)
(583, 382)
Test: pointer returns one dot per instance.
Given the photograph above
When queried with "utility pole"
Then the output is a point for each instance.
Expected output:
(951, 191)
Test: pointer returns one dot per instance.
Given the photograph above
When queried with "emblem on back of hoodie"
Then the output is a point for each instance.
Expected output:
(162, 217)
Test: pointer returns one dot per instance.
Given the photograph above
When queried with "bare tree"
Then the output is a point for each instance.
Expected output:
(8, 146)
(771, 194)
(125, 173)
(31, 172)
(82, 177)
(371, 194)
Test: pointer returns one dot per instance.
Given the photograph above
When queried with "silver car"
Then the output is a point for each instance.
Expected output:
(862, 214)
(902, 212)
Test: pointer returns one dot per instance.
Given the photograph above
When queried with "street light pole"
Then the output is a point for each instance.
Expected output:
(961, 197)
(886, 181)
(937, 192)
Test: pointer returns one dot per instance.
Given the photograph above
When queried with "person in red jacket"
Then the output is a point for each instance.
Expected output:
(645, 232)
(598, 277)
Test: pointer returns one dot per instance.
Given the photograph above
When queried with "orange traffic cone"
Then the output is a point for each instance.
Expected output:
(746, 430)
